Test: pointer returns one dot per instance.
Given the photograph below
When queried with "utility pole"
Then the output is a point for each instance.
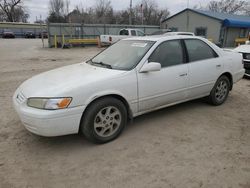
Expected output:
(142, 14)
(41, 30)
(130, 13)
(187, 28)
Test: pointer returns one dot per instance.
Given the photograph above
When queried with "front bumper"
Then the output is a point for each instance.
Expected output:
(49, 122)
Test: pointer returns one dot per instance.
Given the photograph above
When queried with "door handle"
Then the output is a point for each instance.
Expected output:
(184, 74)
(218, 66)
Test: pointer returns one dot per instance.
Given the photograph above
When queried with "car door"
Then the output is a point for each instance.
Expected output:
(169, 85)
(204, 67)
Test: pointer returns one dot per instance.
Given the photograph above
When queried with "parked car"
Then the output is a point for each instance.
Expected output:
(124, 33)
(132, 77)
(44, 33)
(245, 51)
(8, 34)
(30, 34)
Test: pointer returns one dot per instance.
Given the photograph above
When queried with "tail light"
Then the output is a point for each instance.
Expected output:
(110, 39)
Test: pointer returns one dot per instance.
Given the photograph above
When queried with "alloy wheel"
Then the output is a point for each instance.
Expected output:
(107, 121)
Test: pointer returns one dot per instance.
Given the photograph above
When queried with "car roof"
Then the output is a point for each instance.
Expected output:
(163, 37)
(179, 33)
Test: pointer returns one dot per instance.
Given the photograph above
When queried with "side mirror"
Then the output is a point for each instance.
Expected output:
(151, 67)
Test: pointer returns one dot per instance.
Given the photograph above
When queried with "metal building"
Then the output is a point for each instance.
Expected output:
(20, 29)
(223, 29)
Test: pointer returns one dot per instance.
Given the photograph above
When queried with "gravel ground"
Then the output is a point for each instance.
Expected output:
(185, 146)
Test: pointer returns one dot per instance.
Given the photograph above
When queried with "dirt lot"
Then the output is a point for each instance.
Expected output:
(189, 145)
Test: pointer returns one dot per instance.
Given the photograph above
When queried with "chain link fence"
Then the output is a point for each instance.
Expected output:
(65, 31)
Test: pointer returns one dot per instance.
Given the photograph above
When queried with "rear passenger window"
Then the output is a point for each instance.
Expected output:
(168, 53)
(133, 33)
(199, 50)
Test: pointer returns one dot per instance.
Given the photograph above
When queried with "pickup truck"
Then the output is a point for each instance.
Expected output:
(123, 33)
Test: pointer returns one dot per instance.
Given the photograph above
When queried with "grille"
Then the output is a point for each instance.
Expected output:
(20, 98)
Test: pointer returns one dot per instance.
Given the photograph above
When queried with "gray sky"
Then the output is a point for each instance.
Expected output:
(40, 7)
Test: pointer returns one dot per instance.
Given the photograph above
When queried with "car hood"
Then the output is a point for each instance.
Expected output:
(243, 48)
(59, 82)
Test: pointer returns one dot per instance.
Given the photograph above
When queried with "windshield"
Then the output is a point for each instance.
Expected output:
(123, 55)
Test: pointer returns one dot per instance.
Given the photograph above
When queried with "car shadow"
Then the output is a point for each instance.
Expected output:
(78, 140)
(154, 116)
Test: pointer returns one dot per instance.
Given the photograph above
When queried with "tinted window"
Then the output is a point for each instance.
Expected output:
(198, 50)
(124, 32)
(168, 53)
(133, 33)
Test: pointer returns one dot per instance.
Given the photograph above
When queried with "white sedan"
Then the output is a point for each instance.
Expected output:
(130, 78)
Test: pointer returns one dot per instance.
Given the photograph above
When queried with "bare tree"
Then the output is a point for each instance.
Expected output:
(247, 10)
(104, 11)
(122, 17)
(57, 7)
(2, 16)
(67, 4)
(80, 14)
(148, 13)
(228, 6)
(58, 10)
(13, 10)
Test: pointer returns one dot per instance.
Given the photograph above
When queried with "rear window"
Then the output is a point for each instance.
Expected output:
(124, 32)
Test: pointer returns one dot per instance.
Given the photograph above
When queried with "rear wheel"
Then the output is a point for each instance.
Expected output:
(104, 120)
(220, 91)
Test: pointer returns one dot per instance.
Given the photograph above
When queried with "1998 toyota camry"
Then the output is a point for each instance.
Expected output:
(130, 78)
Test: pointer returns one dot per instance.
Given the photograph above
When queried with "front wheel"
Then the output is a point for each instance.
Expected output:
(104, 120)
(220, 91)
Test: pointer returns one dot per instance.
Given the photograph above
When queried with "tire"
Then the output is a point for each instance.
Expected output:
(220, 91)
(104, 120)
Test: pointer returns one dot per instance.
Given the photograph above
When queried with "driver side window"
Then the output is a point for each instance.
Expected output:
(168, 53)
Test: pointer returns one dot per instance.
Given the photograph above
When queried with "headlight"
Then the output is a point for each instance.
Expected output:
(247, 56)
(49, 103)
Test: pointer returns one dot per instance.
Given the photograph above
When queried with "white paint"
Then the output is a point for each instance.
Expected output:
(144, 91)
(111, 39)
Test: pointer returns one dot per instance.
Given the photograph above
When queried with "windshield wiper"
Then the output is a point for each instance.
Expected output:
(102, 64)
